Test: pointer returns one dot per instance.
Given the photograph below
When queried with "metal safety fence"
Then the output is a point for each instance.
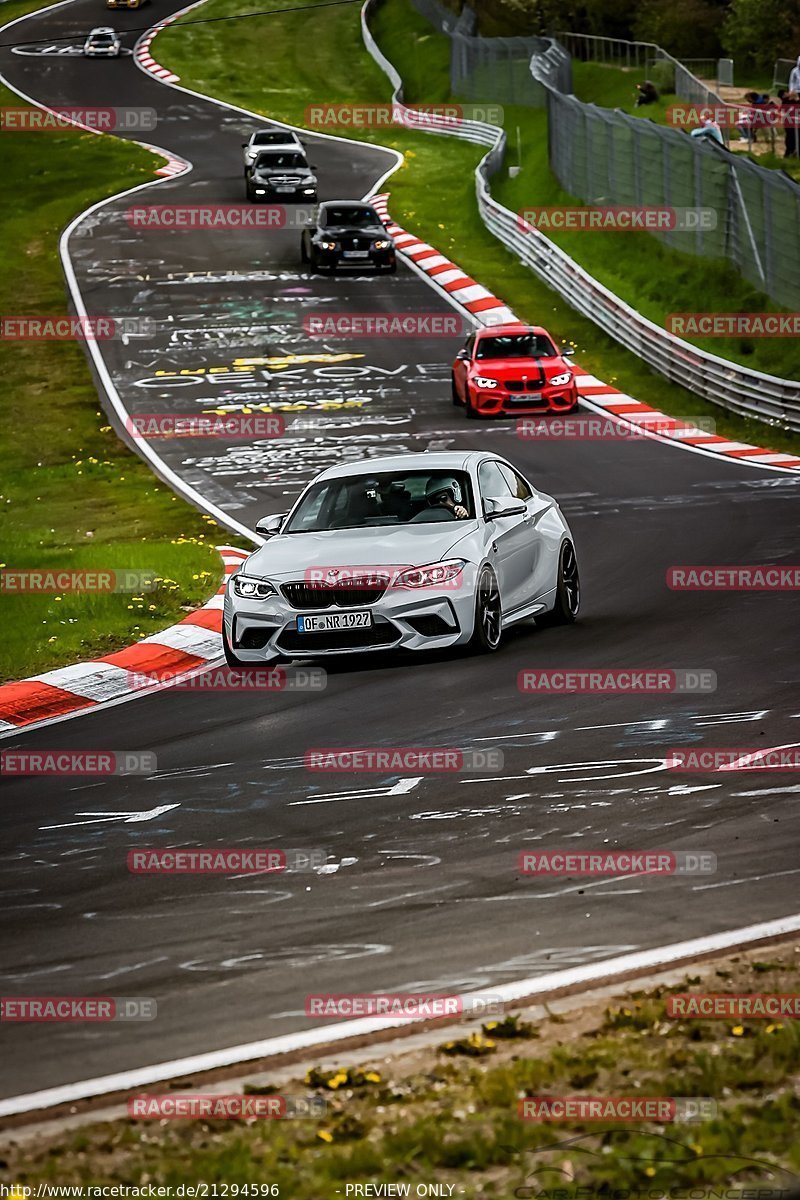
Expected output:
(732, 386)
(673, 76)
(494, 69)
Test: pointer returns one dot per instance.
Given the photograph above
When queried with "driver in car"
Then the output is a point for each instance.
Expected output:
(443, 493)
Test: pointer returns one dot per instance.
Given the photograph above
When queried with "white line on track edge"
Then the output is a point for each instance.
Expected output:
(605, 969)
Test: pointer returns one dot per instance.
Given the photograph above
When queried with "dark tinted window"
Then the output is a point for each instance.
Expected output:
(517, 345)
(274, 160)
(273, 137)
(349, 214)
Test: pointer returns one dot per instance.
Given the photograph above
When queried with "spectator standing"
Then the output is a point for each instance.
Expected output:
(790, 119)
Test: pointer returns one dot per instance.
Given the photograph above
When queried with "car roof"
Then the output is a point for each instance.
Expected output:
(103, 29)
(438, 460)
(289, 134)
(346, 204)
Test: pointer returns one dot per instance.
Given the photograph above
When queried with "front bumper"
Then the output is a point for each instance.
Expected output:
(270, 191)
(101, 53)
(379, 259)
(403, 618)
(500, 401)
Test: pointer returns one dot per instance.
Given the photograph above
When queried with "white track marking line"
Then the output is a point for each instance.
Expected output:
(523, 989)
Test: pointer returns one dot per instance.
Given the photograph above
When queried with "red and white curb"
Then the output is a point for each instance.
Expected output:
(173, 165)
(472, 296)
(194, 641)
(597, 395)
(143, 57)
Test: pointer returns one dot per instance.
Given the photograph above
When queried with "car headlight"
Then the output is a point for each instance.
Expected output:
(327, 245)
(482, 382)
(560, 380)
(250, 588)
(383, 244)
(432, 575)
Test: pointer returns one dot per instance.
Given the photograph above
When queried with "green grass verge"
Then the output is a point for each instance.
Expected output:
(73, 498)
(433, 194)
(449, 1114)
(615, 87)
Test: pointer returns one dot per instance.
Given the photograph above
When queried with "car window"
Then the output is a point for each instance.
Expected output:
(519, 487)
(516, 345)
(384, 499)
(272, 138)
(493, 483)
(276, 160)
(350, 215)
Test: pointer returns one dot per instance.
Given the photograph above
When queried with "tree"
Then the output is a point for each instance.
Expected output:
(686, 28)
(757, 32)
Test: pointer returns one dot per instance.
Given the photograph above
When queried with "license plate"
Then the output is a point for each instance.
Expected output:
(323, 622)
(526, 398)
(356, 253)
(284, 189)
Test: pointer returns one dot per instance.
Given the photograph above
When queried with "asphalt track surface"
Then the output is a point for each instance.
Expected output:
(422, 891)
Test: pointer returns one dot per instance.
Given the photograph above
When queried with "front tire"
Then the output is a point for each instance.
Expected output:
(488, 631)
(568, 590)
(472, 412)
(230, 657)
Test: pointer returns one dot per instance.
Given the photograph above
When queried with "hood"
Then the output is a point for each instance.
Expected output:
(290, 555)
(518, 368)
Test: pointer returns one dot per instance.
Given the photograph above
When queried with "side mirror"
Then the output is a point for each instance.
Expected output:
(313, 167)
(268, 526)
(568, 353)
(509, 507)
(245, 145)
(463, 354)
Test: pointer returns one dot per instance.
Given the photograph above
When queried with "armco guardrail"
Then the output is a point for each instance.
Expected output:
(736, 388)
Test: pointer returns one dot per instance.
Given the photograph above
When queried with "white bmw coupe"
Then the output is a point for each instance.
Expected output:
(418, 551)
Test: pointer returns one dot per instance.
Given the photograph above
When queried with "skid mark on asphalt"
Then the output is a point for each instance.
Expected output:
(288, 958)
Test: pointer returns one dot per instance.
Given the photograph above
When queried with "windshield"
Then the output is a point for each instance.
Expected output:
(101, 38)
(387, 499)
(358, 218)
(274, 161)
(272, 137)
(516, 345)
